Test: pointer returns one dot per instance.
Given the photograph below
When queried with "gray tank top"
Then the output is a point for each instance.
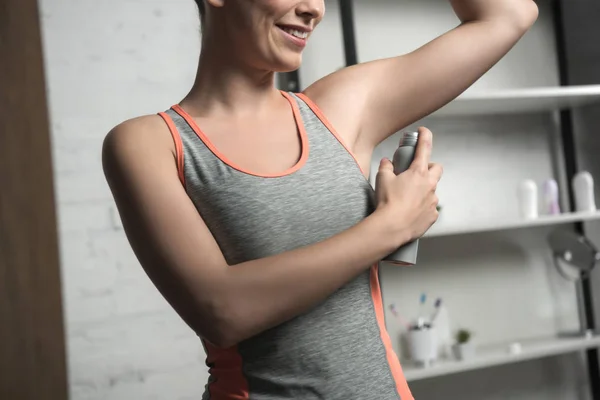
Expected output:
(338, 350)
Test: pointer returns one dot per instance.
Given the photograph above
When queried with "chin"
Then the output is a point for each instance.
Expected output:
(287, 64)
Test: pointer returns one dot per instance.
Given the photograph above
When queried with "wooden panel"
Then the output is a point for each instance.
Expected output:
(32, 350)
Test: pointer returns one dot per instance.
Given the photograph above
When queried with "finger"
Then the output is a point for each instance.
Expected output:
(436, 171)
(386, 164)
(423, 150)
(385, 168)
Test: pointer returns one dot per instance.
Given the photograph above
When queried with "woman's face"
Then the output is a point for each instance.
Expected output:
(267, 34)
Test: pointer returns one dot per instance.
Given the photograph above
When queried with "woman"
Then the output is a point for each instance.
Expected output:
(250, 210)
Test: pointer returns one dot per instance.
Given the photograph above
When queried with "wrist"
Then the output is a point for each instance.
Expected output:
(393, 230)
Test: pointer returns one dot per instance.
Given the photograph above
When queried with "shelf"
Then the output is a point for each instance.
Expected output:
(566, 218)
(516, 101)
(499, 355)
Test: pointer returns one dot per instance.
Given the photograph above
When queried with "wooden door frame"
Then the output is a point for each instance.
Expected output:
(32, 340)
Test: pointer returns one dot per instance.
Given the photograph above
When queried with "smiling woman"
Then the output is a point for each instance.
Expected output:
(249, 209)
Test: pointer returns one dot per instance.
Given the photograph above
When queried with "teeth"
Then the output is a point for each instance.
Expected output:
(298, 34)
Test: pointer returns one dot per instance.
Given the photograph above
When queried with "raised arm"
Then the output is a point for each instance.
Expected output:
(371, 101)
(226, 304)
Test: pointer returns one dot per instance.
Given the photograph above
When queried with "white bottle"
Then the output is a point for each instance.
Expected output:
(528, 199)
(441, 323)
(583, 188)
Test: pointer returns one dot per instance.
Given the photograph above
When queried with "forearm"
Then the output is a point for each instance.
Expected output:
(263, 293)
(522, 12)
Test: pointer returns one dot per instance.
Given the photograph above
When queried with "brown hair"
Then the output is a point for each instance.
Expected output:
(200, 4)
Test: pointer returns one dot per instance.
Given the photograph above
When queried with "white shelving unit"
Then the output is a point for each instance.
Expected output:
(499, 355)
(518, 101)
(437, 231)
(485, 282)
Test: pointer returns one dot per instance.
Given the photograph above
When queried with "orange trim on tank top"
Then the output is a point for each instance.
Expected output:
(301, 131)
(315, 109)
(178, 145)
(230, 382)
(392, 358)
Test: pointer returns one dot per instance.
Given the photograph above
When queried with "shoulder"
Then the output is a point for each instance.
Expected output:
(145, 131)
(138, 136)
(137, 142)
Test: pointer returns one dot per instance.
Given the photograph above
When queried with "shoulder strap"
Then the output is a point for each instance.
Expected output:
(178, 145)
(200, 163)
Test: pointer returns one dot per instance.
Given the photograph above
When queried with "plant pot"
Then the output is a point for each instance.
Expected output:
(464, 351)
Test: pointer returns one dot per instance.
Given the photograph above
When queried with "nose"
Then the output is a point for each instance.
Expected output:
(311, 9)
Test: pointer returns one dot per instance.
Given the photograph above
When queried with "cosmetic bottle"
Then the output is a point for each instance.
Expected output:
(583, 188)
(551, 201)
(403, 157)
(528, 199)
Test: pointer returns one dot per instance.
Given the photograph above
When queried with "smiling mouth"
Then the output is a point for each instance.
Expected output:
(295, 32)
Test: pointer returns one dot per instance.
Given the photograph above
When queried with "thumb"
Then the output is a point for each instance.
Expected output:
(386, 165)
(386, 168)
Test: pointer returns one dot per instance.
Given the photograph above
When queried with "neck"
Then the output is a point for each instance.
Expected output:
(224, 85)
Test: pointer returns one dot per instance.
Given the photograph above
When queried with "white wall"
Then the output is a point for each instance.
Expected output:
(385, 28)
(108, 61)
(112, 60)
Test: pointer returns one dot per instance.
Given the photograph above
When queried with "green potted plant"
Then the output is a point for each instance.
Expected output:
(464, 348)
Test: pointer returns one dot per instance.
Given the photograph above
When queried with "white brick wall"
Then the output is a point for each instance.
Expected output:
(107, 61)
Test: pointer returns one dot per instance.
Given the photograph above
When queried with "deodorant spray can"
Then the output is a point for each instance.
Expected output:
(403, 158)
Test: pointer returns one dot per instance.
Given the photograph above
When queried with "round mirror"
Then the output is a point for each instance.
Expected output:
(574, 254)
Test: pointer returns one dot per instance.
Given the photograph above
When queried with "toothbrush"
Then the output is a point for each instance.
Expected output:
(421, 318)
(397, 315)
(438, 303)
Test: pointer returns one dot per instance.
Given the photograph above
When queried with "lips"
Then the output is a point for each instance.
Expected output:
(297, 35)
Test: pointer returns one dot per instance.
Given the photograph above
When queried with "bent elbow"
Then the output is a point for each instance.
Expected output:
(526, 14)
(222, 341)
(225, 330)
(222, 335)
